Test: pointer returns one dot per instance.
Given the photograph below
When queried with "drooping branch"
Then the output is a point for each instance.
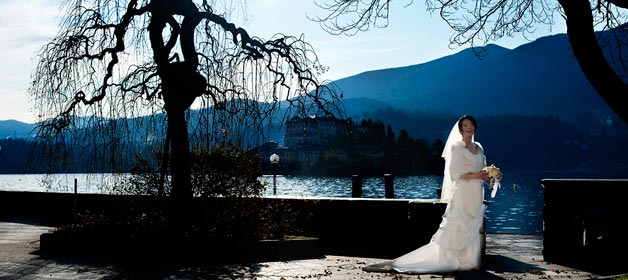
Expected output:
(478, 22)
(77, 46)
(125, 62)
(619, 3)
(352, 16)
(282, 47)
(119, 33)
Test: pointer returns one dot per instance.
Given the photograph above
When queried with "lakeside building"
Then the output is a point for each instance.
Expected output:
(314, 144)
(308, 139)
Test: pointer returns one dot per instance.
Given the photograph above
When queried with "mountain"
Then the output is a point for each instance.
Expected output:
(15, 129)
(364, 104)
(538, 78)
(535, 90)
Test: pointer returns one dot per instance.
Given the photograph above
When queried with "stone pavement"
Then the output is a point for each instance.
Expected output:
(507, 257)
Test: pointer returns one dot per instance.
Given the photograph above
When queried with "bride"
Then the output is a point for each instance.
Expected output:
(456, 245)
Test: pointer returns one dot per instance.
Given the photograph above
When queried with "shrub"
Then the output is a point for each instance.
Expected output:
(226, 205)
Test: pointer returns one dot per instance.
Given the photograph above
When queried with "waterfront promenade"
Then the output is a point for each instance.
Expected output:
(507, 257)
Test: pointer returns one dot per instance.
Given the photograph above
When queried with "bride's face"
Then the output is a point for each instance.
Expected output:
(468, 129)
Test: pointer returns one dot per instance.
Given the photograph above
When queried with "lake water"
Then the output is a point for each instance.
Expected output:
(517, 207)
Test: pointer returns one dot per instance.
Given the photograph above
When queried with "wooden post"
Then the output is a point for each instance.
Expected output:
(356, 186)
(75, 198)
(388, 186)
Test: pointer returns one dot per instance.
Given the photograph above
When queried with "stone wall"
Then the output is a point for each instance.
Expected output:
(584, 221)
(383, 228)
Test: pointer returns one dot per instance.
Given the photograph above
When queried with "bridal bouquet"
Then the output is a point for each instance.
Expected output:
(496, 174)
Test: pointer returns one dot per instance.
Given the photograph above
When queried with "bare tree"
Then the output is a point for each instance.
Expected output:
(478, 22)
(118, 71)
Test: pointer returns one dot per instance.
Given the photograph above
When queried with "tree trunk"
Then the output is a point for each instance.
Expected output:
(180, 171)
(592, 62)
(181, 84)
(180, 155)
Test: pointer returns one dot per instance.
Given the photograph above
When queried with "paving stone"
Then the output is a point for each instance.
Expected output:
(507, 257)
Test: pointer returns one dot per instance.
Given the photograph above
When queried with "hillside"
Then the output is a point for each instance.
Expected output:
(533, 97)
(537, 78)
(15, 129)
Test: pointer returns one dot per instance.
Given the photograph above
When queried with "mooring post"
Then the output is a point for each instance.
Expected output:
(388, 186)
(75, 198)
(356, 186)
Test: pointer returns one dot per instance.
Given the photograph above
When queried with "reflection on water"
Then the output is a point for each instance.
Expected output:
(85, 183)
(373, 187)
(517, 207)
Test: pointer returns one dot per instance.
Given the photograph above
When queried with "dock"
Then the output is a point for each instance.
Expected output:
(508, 256)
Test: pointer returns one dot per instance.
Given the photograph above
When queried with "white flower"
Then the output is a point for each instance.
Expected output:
(493, 172)
(496, 174)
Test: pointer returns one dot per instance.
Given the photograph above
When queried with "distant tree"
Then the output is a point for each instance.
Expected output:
(373, 132)
(390, 134)
(406, 153)
(390, 164)
(437, 148)
(479, 22)
(115, 61)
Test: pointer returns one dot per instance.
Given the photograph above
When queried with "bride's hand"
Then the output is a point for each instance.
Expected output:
(484, 176)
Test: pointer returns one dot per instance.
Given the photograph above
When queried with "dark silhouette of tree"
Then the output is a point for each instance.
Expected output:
(114, 61)
(479, 22)
(407, 152)
(390, 163)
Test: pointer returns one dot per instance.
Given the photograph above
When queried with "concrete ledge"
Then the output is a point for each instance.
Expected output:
(585, 221)
(169, 252)
(383, 228)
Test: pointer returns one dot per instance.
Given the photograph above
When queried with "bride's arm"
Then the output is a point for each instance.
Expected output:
(477, 175)
(456, 166)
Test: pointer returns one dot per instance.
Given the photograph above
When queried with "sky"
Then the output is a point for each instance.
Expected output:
(413, 36)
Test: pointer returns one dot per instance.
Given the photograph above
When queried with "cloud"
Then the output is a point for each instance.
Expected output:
(25, 26)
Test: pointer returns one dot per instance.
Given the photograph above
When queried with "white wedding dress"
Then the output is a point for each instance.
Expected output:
(456, 245)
